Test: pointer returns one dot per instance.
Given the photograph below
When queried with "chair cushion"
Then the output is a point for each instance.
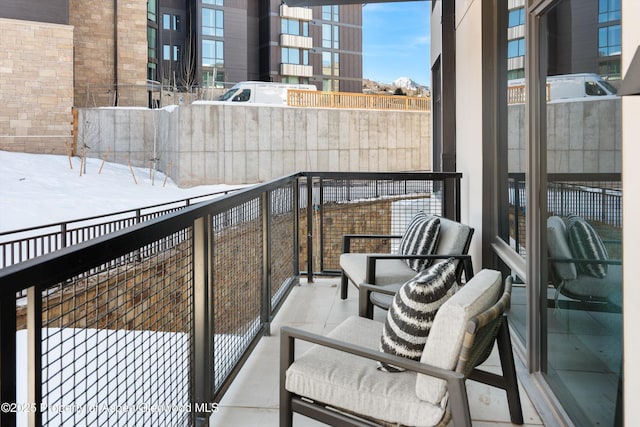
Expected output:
(388, 271)
(559, 248)
(413, 309)
(445, 339)
(589, 288)
(354, 384)
(585, 243)
(453, 237)
(420, 238)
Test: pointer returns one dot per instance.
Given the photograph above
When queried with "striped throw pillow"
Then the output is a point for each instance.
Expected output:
(413, 309)
(585, 243)
(420, 238)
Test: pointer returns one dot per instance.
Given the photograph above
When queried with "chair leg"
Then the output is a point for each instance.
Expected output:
(344, 285)
(509, 372)
(287, 351)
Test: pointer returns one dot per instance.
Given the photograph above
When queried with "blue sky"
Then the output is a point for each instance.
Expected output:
(396, 41)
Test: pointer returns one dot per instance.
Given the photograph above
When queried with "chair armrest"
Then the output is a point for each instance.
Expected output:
(287, 346)
(586, 261)
(372, 259)
(346, 239)
(365, 306)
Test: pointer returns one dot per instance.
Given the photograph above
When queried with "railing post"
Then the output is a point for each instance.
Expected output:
(296, 226)
(7, 358)
(265, 306)
(451, 198)
(201, 372)
(310, 208)
(34, 354)
(63, 235)
(516, 213)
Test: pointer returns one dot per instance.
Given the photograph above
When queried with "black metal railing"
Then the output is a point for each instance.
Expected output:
(596, 197)
(149, 325)
(20, 245)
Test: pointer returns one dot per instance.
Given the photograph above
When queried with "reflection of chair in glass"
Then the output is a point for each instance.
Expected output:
(337, 380)
(579, 267)
(393, 269)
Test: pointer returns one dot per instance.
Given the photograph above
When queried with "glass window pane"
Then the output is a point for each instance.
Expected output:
(151, 10)
(582, 343)
(326, 35)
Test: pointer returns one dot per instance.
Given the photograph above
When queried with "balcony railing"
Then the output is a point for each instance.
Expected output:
(21, 245)
(597, 197)
(149, 325)
(318, 99)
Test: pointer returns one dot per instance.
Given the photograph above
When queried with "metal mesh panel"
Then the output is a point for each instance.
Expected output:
(116, 342)
(282, 241)
(237, 284)
(366, 206)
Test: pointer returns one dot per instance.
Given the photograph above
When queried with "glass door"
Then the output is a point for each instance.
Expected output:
(579, 217)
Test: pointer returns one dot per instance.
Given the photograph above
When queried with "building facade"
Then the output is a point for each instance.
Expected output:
(594, 48)
(36, 75)
(217, 43)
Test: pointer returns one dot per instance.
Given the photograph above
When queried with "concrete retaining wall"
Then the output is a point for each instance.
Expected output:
(238, 144)
(583, 137)
(235, 144)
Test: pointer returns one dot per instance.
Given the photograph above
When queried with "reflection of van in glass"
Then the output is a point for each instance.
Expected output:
(262, 92)
(570, 86)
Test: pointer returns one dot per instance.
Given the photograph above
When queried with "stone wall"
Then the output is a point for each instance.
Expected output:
(95, 61)
(36, 86)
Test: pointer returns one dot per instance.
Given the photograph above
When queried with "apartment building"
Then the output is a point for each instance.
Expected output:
(216, 43)
(594, 48)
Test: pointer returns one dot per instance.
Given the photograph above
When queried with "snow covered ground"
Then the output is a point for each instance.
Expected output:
(38, 189)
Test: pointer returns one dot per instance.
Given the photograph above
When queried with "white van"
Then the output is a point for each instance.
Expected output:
(571, 86)
(262, 92)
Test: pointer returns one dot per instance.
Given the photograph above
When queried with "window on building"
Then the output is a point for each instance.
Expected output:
(331, 13)
(515, 48)
(166, 52)
(326, 63)
(212, 22)
(609, 40)
(290, 26)
(330, 85)
(212, 53)
(330, 63)
(151, 39)
(290, 55)
(515, 74)
(213, 2)
(212, 78)
(330, 36)
(151, 10)
(516, 17)
(610, 68)
(609, 10)
(166, 21)
(152, 71)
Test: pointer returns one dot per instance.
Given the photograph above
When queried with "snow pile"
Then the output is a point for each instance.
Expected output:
(38, 189)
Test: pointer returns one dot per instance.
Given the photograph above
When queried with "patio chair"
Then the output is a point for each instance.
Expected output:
(389, 271)
(337, 381)
(582, 272)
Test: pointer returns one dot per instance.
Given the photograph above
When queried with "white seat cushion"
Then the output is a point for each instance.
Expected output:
(354, 384)
(445, 338)
(388, 271)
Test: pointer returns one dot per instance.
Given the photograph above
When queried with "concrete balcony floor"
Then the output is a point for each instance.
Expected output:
(252, 399)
